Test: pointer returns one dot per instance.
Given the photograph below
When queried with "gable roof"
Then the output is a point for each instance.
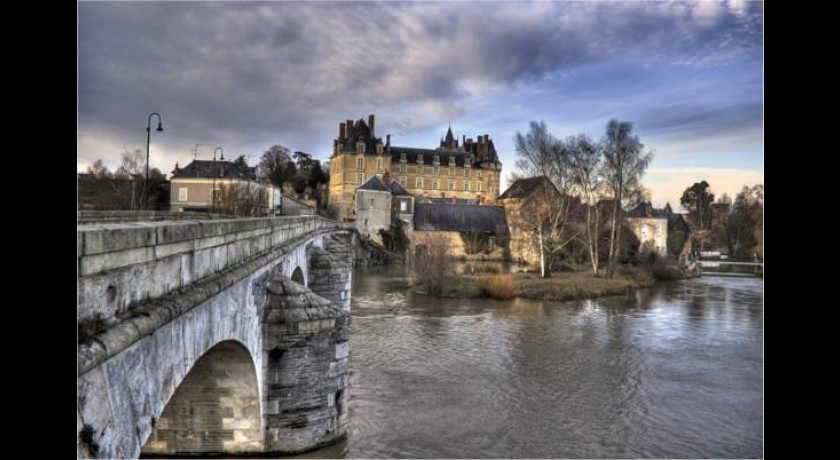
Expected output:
(221, 169)
(374, 183)
(451, 200)
(523, 188)
(460, 218)
(397, 189)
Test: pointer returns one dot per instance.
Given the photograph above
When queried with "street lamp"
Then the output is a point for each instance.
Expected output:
(148, 139)
(213, 192)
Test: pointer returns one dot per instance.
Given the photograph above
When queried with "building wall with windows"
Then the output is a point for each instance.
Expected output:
(460, 169)
(652, 233)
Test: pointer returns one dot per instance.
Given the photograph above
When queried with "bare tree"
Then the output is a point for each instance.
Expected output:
(586, 156)
(546, 213)
(624, 165)
(243, 199)
(132, 166)
(98, 170)
(433, 262)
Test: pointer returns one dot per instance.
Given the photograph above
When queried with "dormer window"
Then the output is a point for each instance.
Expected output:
(402, 157)
(419, 158)
(452, 161)
(379, 148)
(360, 147)
(437, 159)
(360, 163)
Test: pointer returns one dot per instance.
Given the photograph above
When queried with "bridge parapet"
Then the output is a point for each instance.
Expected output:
(120, 265)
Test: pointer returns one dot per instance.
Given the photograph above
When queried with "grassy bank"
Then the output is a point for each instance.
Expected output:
(560, 286)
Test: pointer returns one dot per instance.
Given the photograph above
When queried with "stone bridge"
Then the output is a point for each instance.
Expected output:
(212, 337)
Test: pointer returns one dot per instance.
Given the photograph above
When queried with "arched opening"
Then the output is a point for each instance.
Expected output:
(216, 409)
(297, 276)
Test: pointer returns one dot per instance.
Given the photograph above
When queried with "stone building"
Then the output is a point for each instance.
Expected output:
(659, 230)
(466, 169)
(377, 203)
(220, 186)
(524, 201)
(471, 231)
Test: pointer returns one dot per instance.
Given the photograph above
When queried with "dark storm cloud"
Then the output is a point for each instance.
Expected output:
(247, 75)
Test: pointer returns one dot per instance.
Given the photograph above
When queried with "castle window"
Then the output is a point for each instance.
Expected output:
(479, 174)
(379, 148)
(452, 185)
(182, 194)
(402, 169)
(403, 181)
(379, 164)
(403, 157)
(419, 170)
(359, 178)
(466, 172)
(360, 147)
(434, 185)
(452, 161)
(451, 171)
(435, 170)
(478, 186)
(418, 182)
(360, 163)
(467, 185)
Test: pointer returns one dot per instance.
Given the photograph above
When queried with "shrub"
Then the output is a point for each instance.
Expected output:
(499, 286)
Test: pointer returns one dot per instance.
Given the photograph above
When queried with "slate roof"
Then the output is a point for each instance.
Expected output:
(460, 218)
(452, 200)
(209, 169)
(397, 189)
(361, 131)
(374, 183)
(523, 188)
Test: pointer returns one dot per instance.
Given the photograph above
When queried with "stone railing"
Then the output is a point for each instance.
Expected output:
(120, 265)
(90, 217)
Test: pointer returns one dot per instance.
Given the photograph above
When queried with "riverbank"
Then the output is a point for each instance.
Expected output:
(559, 286)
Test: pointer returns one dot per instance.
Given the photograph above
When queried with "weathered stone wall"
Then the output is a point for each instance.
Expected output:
(130, 370)
(331, 269)
(122, 265)
(92, 217)
(306, 345)
(373, 213)
(215, 409)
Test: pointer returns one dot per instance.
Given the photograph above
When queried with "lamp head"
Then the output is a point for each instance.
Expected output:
(160, 126)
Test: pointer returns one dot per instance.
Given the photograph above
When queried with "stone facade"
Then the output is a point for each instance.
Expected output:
(466, 169)
(373, 213)
(163, 345)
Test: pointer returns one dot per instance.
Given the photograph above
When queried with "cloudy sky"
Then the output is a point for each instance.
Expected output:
(247, 75)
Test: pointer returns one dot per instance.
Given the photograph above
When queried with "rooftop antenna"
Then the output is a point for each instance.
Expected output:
(195, 151)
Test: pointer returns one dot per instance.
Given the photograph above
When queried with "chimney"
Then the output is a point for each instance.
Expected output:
(371, 123)
(486, 138)
(463, 140)
(349, 127)
(388, 141)
(341, 130)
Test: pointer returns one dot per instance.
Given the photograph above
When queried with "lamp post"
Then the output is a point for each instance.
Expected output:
(213, 192)
(148, 140)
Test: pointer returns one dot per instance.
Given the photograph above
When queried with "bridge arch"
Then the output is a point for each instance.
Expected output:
(216, 408)
(297, 276)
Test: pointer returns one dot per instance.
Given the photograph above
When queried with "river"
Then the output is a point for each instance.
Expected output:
(672, 371)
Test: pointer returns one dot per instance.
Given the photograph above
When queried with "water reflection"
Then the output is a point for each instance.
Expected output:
(674, 371)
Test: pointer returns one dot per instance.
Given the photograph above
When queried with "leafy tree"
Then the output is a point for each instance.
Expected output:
(624, 165)
(745, 226)
(698, 200)
(276, 166)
